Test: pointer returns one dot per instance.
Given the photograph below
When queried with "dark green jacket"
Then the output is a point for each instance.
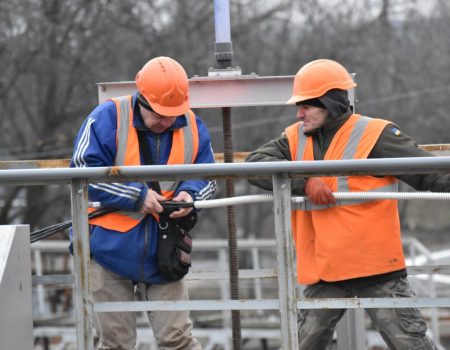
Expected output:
(391, 144)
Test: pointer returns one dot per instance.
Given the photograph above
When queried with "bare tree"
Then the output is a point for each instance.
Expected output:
(56, 51)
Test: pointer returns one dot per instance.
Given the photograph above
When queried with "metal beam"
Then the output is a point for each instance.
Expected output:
(220, 91)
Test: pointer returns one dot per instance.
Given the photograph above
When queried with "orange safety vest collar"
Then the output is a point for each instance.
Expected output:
(184, 151)
(347, 240)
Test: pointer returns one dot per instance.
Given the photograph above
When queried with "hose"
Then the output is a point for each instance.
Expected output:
(255, 198)
(344, 196)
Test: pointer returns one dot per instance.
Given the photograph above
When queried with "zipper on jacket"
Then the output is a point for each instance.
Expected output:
(158, 144)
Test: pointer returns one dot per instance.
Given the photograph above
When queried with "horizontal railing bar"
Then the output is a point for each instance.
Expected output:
(429, 270)
(52, 279)
(238, 157)
(197, 275)
(392, 166)
(271, 304)
(146, 333)
(185, 305)
(224, 274)
(61, 246)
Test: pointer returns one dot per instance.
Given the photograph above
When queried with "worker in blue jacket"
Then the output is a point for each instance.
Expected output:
(124, 243)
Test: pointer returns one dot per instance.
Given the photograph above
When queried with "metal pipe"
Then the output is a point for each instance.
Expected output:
(223, 47)
(285, 261)
(391, 166)
(81, 256)
(271, 304)
(222, 21)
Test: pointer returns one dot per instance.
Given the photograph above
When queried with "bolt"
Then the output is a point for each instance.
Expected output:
(283, 186)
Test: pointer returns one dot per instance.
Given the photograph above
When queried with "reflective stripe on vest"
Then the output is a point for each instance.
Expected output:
(360, 126)
(184, 151)
(348, 240)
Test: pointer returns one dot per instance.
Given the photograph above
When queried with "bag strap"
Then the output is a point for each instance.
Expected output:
(148, 159)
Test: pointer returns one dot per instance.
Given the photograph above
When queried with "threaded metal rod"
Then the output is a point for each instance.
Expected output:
(231, 220)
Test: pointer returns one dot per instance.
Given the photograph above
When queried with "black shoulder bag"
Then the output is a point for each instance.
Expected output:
(174, 240)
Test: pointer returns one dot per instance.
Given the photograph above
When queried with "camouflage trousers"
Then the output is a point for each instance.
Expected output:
(401, 329)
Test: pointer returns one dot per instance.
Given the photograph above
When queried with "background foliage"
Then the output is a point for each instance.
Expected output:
(53, 53)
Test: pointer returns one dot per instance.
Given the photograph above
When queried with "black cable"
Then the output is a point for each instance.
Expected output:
(51, 230)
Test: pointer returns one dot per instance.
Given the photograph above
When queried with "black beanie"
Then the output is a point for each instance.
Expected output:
(312, 102)
(144, 103)
(336, 102)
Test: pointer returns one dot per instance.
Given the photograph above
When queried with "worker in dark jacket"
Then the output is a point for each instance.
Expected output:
(347, 249)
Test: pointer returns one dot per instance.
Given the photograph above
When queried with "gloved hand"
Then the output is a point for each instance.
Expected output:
(318, 192)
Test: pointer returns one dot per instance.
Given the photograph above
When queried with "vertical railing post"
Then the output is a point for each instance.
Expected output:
(40, 288)
(285, 260)
(351, 331)
(81, 256)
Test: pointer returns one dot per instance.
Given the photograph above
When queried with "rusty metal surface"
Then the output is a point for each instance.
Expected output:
(34, 164)
(238, 157)
(437, 149)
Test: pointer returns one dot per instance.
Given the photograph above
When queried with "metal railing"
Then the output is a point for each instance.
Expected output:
(281, 173)
(46, 253)
(55, 253)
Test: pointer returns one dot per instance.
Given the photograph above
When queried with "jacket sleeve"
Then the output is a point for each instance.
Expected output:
(274, 151)
(95, 146)
(395, 144)
(201, 189)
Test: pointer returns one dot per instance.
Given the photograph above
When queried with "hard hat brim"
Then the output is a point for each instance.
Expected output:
(296, 99)
(170, 111)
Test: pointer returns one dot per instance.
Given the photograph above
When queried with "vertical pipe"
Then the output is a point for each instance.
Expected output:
(351, 333)
(222, 21)
(81, 256)
(224, 289)
(433, 311)
(231, 220)
(285, 260)
(257, 282)
(223, 50)
(40, 288)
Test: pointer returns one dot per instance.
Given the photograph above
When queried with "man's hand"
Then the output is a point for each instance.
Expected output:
(151, 203)
(183, 196)
(318, 192)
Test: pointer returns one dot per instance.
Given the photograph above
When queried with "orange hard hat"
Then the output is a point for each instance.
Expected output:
(315, 78)
(164, 84)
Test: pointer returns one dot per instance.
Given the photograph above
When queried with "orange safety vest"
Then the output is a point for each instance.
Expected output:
(184, 151)
(350, 239)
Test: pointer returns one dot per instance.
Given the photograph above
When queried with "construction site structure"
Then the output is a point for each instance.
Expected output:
(224, 87)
